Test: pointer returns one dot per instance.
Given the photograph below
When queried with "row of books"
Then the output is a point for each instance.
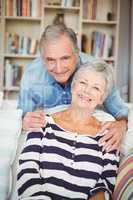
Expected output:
(20, 44)
(89, 9)
(29, 8)
(99, 44)
(63, 3)
(13, 74)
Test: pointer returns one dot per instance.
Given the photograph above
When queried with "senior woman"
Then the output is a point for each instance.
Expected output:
(63, 160)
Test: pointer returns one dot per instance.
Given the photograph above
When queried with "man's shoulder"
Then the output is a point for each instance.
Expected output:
(84, 58)
(35, 65)
(35, 72)
(36, 69)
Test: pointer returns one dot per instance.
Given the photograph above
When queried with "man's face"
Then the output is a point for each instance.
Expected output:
(60, 58)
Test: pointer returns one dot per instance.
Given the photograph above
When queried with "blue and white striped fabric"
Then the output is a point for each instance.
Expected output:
(59, 165)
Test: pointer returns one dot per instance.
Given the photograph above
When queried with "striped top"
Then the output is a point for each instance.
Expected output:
(56, 164)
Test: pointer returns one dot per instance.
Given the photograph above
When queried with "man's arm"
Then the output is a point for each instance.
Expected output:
(115, 105)
(31, 120)
(114, 130)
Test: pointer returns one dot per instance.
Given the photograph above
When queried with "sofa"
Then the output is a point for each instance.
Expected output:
(12, 141)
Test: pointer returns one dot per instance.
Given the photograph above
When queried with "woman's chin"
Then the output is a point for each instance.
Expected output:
(84, 106)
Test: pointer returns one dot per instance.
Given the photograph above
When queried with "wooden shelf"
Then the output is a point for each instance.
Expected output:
(12, 88)
(88, 21)
(23, 18)
(61, 7)
(20, 56)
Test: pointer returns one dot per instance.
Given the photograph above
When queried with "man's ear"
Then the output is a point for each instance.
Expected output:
(77, 53)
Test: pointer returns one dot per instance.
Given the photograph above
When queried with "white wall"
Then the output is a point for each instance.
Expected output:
(124, 49)
(131, 59)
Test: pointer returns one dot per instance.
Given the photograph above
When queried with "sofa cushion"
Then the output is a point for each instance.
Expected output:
(10, 129)
(127, 143)
(124, 184)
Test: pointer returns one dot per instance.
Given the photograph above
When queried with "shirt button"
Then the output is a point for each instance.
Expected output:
(73, 155)
(71, 163)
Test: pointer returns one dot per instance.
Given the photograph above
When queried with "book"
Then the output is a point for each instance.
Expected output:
(9, 7)
(8, 74)
(13, 74)
(35, 8)
(20, 44)
(24, 8)
(85, 9)
(17, 71)
(33, 46)
(107, 46)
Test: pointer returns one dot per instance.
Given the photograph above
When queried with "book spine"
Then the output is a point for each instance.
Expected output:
(8, 74)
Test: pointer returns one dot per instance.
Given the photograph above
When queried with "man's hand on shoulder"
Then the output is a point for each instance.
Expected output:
(33, 120)
(114, 132)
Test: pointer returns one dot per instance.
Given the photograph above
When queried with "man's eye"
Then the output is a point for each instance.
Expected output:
(50, 61)
(65, 58)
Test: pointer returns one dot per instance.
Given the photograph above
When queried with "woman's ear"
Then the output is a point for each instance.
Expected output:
(102, 100)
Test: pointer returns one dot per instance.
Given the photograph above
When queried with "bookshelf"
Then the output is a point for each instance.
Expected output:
(21, 33)
(96, 22)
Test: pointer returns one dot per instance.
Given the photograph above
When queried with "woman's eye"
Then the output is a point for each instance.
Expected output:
(82, 82)
(96, 88)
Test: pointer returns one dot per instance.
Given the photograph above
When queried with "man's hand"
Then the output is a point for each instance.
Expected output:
(33, 120)
(114, 132)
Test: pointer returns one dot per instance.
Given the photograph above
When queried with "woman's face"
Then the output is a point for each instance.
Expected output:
(89, 90)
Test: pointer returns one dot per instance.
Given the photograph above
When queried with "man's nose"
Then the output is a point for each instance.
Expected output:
(58, 66)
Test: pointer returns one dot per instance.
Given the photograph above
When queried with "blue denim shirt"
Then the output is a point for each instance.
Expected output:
(39, 89)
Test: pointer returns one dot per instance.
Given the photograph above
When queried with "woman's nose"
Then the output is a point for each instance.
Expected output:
(87, 89)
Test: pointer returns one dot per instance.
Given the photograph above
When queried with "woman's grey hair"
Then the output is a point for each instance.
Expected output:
(98, 66)
(55, 31)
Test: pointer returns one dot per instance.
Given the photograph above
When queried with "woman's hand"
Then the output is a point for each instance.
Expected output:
(114, 132)
(33, 120)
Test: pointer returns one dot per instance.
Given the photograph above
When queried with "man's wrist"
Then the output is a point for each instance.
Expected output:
(124, 120)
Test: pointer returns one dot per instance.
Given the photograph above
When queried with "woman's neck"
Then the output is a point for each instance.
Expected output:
(79, 115)
(77, 120)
